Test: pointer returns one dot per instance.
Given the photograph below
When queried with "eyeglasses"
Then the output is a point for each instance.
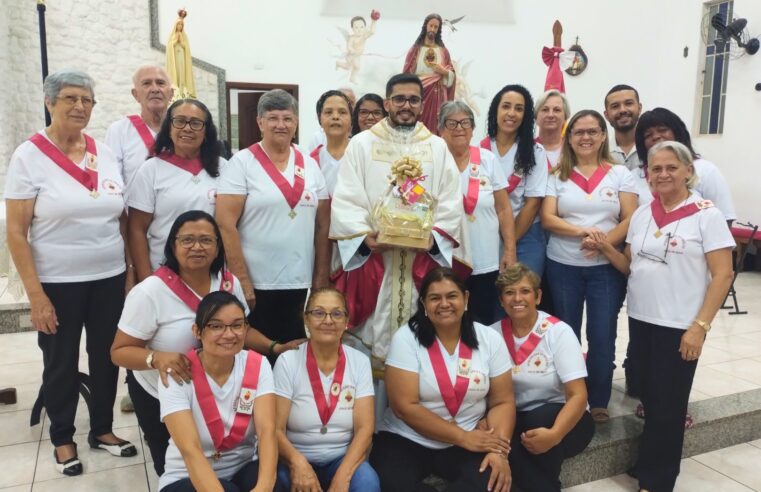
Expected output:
(237, 327)
(377, 114)
(652, 256)
(590, 132)
(399, 101)
(320, 314)
(180, 122)
(465, 124)
(188, 242)
(87, 102)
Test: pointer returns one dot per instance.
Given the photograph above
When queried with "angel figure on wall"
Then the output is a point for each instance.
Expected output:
(355, 43)
(179, 62)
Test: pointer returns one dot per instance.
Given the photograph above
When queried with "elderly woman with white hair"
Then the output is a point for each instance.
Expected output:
(678, 257)
(273, 212)
(488, 214)
(551, 111)
(64, 208)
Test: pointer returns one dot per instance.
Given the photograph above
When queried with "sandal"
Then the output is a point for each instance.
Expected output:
(71, 467)
(122, 449)
(600, 415)
(688, 420)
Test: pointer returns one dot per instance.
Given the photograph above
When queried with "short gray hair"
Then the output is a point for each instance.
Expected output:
(682, 153)
(66, 78)
(542, 100)
(451, 107)
(276, 100)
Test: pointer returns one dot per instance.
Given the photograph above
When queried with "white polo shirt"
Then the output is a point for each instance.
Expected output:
(532, 186)
(177, 398)
(166, 191)
(670, 294)
(279, 250)
(599, 209)
(152, 312)
(489, 360)
(73, 236)
(304, 424)
(129, 148)
(484, 231)
(555, 361)
(329, 167)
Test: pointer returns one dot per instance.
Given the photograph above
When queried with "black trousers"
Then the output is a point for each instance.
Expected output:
(148, 413)
(96, 305)
(243, 481)
(401, 465)
(484, 300)
(665, 381)
(279, 314)
(541, 472)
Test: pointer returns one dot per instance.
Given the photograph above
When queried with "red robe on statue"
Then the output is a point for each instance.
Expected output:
(435, 92)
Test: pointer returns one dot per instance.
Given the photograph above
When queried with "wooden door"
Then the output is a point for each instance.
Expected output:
(247, 96)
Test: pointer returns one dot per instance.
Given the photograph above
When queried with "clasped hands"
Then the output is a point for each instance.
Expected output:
(593, 242)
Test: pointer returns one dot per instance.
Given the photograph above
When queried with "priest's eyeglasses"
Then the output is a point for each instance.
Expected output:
(400, 101)
(206, 242)
(180, 122)
(465, 124)
(238, 327)
(320, 314)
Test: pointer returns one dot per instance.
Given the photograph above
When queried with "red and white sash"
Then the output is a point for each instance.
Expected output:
(452, 395)
(87, 177)
(663, 218)
(514, 180)
(208, 403)
(325, 409)
(293, 193)
(183, 292)
(143, 131)
(193, 166)
(530, 344)
(470, 199)
(315, 154)
(589, 185)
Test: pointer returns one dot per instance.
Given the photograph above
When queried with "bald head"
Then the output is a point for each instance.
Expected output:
(152, 89)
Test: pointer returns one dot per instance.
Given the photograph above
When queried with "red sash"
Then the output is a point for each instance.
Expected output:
(209, 407)
(293, 193)
(181, 290)
(87, 177)
(663, 218)
(145, 133)
(315, 154)
(193, 166)
(529, 345)
(453, 396)
(470, 200)
(324, 409)
(589, 185)
(512, 182)
(485, 143)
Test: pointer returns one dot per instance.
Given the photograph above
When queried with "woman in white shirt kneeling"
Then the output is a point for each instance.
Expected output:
(444, 373)
(552, 422)
(325, 405)
(214, 444)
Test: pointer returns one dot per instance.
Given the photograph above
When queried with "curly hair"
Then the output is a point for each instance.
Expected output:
(524, 157)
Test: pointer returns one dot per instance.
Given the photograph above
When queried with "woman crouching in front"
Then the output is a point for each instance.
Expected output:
(552, 422)
(444, 373)
(213, 443)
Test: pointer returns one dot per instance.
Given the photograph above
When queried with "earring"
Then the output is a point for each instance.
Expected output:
(425, 313)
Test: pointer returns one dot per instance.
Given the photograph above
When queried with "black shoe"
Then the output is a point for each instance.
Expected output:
(123, 449)
(71, 467)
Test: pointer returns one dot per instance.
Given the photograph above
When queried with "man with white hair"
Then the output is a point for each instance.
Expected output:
(131, 138)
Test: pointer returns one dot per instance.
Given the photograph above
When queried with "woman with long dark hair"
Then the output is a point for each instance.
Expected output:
(368, 111)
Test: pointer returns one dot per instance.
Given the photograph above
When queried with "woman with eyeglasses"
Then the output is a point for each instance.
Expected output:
(588, 200)
(334, 115)
(678, 257)
(488, 215)
(368, 111)
(155, 328)
(325, 405)
(222, 422)
(182, 175)
(64, 207)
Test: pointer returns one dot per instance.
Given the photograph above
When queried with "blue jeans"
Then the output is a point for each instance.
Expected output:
(364, 479)
(531, 248)
(603, 288)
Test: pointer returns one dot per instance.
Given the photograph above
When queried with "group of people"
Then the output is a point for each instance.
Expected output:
(242, 277)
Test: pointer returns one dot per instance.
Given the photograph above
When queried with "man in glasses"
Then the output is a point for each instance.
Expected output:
(380, 280)
(430, 60)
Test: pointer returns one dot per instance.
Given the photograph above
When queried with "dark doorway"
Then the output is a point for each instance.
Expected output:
(242, 98)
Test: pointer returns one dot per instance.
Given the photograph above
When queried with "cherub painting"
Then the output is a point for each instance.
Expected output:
(355, 43)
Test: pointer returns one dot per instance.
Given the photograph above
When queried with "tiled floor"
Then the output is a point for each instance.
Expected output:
(731, 363)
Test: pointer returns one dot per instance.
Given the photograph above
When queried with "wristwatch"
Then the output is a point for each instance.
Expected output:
(703, 324)
(149, 360)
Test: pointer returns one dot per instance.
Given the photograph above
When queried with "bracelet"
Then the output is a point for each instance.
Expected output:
(272, 347)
